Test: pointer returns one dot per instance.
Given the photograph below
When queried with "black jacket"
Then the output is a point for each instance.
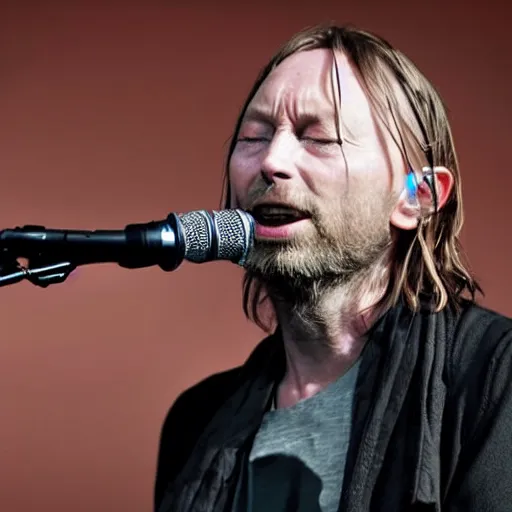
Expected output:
(432, 425)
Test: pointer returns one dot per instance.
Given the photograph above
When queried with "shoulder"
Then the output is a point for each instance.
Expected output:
(192, 411)
(477, 418)
(195, 406)
(199, 402)
(208, 394)
(477, 322)
(479, 358)
(478, 333)
(184, 422)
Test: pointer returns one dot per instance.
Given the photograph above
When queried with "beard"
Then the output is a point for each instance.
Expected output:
(336, 249)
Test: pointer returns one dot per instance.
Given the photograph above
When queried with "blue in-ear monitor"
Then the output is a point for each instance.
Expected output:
(411, 186)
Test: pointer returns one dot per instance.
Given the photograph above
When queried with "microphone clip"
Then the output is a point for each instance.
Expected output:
(41, 273)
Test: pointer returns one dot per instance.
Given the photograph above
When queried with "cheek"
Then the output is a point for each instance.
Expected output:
(323, 176)
(373, 168)
(243, 170)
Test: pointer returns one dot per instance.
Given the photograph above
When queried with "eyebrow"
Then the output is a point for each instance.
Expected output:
(304, 120)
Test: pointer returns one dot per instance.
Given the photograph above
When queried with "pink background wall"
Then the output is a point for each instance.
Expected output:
(121, 113)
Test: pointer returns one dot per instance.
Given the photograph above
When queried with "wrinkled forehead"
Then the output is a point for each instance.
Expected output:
(313, 79)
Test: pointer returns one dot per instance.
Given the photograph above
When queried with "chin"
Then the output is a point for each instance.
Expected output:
(286, 260)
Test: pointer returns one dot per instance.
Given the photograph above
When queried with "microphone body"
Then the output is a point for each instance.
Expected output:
(199, 236)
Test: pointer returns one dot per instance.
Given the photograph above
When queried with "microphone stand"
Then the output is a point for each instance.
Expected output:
(42, 273)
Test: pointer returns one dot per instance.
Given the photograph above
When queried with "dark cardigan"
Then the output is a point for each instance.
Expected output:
(432, 426)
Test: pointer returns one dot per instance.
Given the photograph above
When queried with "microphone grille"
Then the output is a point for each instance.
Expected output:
(217, 235)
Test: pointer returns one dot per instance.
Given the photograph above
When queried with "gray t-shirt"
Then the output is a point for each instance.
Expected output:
(297, 460)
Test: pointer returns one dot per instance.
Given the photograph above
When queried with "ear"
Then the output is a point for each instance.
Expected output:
(406, 215)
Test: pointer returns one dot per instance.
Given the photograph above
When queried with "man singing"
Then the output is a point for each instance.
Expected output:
(381, 386)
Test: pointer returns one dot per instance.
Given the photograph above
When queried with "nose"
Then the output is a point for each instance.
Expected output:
(278, 163)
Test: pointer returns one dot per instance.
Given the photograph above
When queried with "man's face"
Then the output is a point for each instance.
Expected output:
(321, 210)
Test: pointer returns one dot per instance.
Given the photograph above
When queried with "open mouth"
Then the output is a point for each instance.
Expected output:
(272, 215)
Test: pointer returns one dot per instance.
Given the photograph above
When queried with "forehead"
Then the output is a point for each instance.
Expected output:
(306, 82)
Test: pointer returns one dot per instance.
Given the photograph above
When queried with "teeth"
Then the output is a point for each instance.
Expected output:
(275, 210)
(278, 217)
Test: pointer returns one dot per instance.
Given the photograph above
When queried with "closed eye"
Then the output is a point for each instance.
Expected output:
(252, 139)
(321, 141)
(327, 146)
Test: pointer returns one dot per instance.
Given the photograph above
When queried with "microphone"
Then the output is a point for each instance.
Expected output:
(198, 236)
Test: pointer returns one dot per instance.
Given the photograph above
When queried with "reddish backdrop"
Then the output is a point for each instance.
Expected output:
(120, 113)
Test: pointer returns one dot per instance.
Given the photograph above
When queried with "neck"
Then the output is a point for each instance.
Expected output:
(324, 331)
